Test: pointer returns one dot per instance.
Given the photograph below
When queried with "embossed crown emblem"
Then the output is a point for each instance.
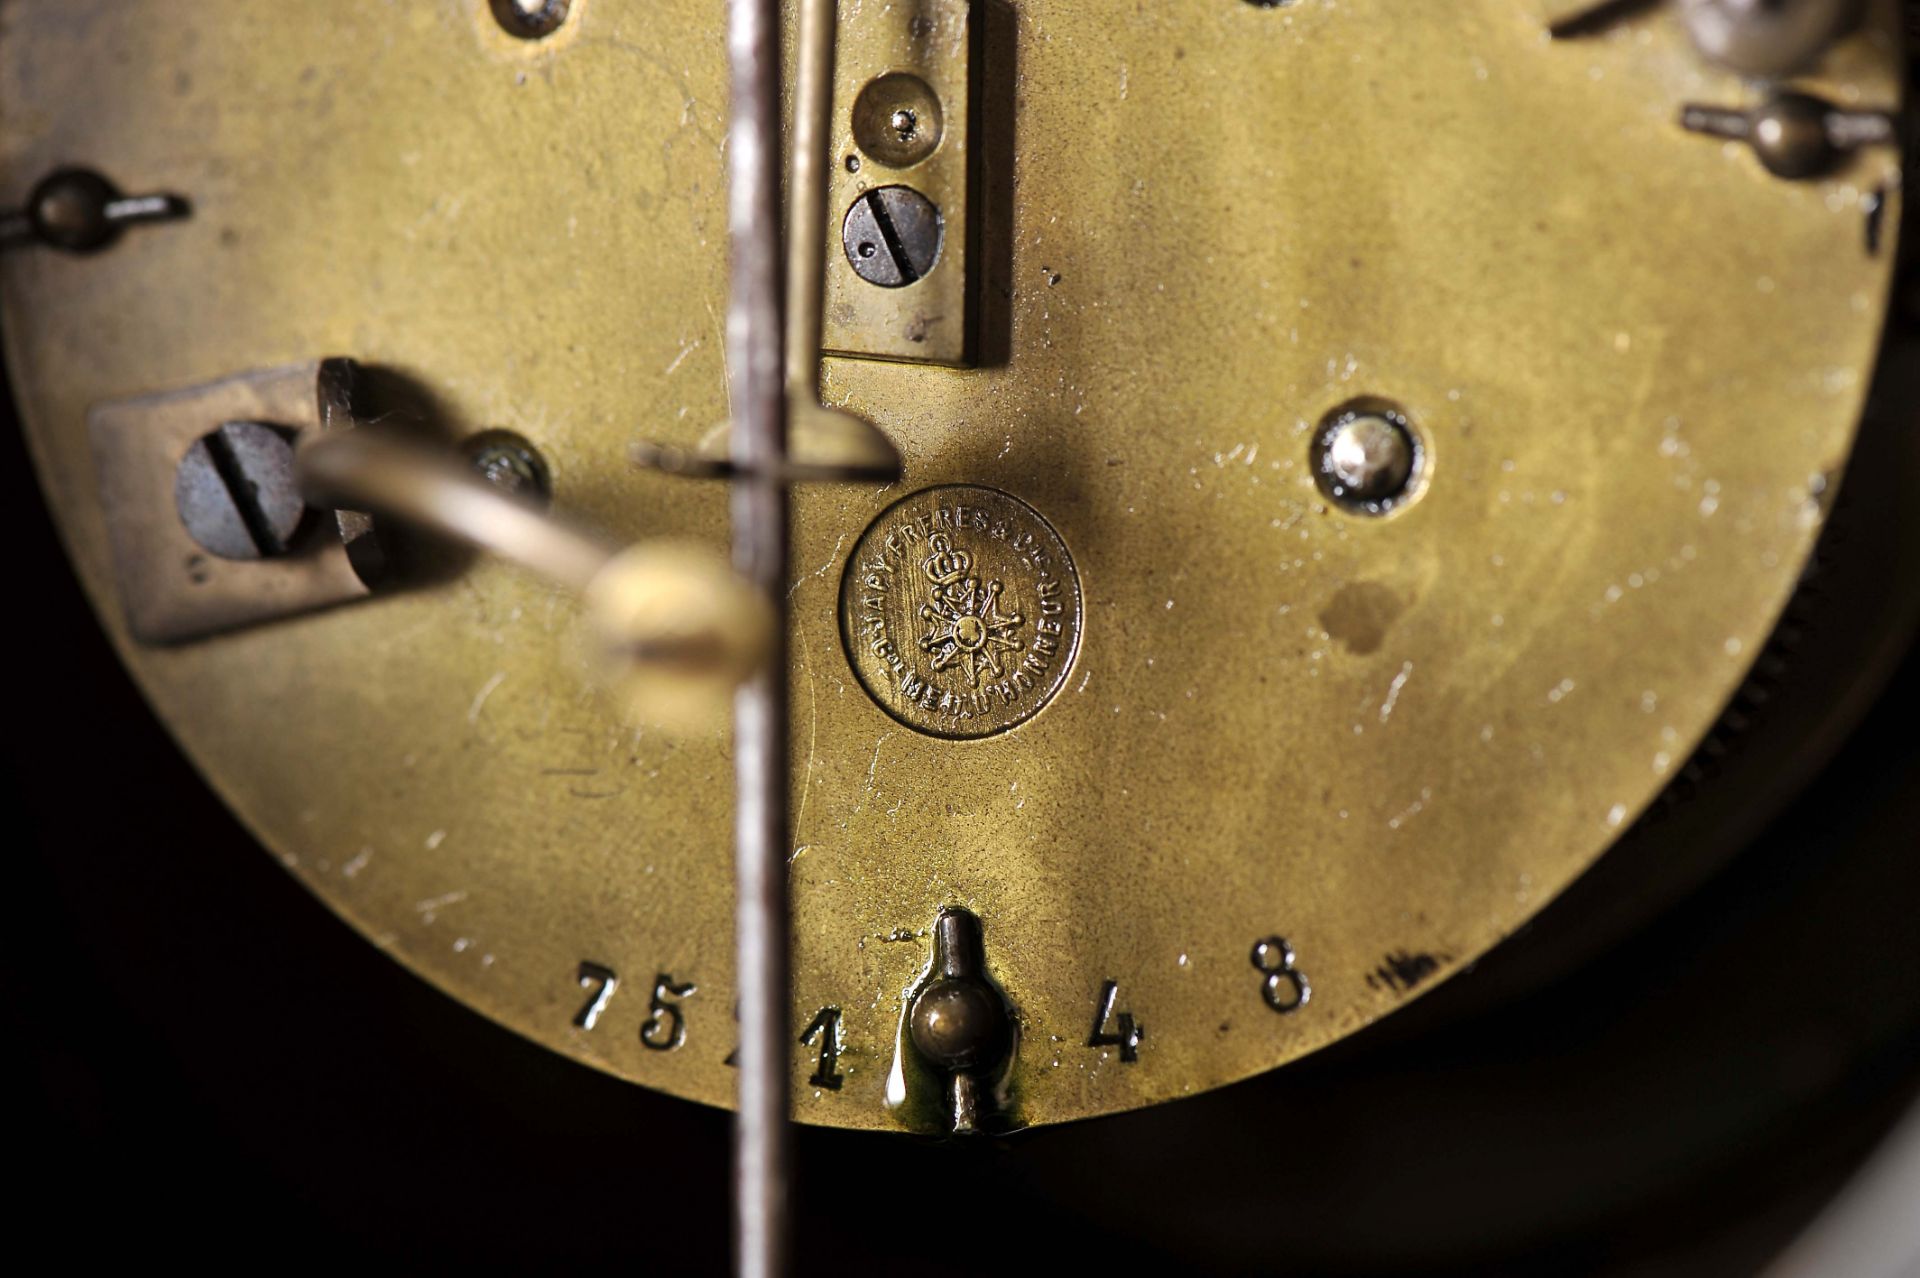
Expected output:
(965, 626)
(946, 565)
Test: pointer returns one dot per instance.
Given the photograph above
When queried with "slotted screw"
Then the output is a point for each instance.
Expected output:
(237, 492)
(892, 236)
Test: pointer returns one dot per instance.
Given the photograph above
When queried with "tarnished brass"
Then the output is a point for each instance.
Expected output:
(914, 58)
(1635, 357)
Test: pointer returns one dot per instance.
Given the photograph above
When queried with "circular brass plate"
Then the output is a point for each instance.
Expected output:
(961, 611)
(1637, 360)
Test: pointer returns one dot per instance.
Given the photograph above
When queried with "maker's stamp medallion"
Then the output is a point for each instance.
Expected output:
(961, 611)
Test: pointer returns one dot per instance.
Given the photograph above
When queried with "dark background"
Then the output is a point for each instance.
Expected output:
(205, 1065)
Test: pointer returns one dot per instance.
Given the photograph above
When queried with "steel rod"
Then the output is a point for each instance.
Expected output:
(807, 200)
(760, 511)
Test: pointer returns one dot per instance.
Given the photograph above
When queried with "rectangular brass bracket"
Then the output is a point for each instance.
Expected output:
(930, 320)
(171, 588)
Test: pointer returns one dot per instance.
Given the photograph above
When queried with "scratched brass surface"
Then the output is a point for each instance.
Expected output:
(1633, 356)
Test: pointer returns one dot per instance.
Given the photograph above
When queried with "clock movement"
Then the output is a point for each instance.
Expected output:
(947, 567)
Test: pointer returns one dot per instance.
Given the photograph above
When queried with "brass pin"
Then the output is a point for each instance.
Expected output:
(958, 1022)
(79, 211)
(1794, 135)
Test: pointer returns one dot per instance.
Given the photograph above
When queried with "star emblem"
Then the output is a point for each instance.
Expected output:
(966, 628)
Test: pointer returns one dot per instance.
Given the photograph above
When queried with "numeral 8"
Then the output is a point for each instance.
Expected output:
(1274, 957)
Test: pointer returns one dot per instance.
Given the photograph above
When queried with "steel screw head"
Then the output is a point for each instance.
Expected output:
(530, 19)
(1367, 458)
(237, 492)
(892, 236)
(511, 464)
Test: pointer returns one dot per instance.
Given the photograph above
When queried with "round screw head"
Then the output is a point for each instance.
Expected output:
(1790, 136)
(897, 120)
(511, 464)
(892, 236)
(237, 493)
(530, 19)
(959, 1024)
(1366, 457)
(69, 210)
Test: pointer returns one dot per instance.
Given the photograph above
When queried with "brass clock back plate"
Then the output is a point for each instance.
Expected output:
(1286, 762)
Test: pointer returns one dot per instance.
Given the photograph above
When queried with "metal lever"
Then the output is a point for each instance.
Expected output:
(678, 629)
(824, 445)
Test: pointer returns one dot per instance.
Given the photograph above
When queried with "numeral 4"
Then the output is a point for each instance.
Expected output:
(1128, 1035)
